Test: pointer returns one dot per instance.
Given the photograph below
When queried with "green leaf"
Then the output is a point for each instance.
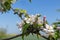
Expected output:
(7, 5)
(25, 27)
(23, 11)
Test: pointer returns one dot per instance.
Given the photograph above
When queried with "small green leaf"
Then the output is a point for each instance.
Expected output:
(25, 27)
(23, 11)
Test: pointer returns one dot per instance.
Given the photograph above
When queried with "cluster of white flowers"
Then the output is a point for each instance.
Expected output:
(47, 31)
(20, 25)
(44, 34)
(32, 19)
(49, 28)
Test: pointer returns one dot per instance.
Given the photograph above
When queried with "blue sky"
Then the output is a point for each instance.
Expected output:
(43, 7)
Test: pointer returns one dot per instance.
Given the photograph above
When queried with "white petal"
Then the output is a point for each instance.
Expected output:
(20, 29)
(27, 21)
(51, 28)
(50, 31)
(45, 30)
(47, 26)
(44, 34)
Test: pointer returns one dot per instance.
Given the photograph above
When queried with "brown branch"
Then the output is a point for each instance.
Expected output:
(21, 35)
(18, 36)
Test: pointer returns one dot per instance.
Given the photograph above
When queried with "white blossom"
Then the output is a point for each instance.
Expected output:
(39, 21)
(20, 25)
(20, 29)
(44, 34)
(25, 19)
(49, 27)
(32, 19)
(45, 30)
(48, 30)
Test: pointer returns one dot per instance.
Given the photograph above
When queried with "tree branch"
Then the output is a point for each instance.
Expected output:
(13, 37)
(18, 36)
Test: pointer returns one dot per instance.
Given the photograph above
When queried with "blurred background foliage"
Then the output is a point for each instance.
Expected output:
(3, 32)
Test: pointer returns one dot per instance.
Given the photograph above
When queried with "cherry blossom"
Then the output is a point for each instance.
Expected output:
(46, 31)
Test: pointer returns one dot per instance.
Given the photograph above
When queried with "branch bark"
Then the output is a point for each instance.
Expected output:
(19, 36)
(12, 37)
